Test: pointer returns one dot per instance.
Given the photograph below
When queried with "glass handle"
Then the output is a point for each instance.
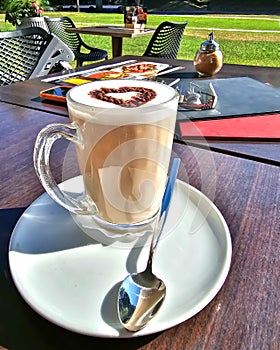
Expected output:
(41, 159)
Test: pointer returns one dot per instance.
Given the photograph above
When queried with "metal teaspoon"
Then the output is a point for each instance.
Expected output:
(141, 294)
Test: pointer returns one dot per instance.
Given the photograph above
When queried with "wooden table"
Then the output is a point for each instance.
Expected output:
(243, 315)
(26, 94)
(117, 33)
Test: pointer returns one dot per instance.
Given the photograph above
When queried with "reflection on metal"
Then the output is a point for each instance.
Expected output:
(141, 294)
(138, 305)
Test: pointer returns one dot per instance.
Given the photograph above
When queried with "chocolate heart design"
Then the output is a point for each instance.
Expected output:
(142, 95)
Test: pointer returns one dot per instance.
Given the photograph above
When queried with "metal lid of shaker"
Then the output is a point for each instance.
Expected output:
(210, 45)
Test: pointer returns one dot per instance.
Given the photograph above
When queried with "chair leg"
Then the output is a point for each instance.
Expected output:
(79, 63)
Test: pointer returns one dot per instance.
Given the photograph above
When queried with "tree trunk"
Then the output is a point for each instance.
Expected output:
(99, 5)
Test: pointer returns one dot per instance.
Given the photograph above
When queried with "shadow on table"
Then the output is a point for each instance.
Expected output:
(22, 328)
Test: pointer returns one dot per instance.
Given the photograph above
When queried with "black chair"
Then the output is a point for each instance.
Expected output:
(166, 40)
(29, 53)
(58, 27)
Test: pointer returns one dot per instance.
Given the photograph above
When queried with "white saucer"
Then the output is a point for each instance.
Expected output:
(72, 280)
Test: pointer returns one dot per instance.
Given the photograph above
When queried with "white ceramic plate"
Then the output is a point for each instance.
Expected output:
(72, 280)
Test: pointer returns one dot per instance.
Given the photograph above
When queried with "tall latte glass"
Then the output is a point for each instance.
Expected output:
(123, 133)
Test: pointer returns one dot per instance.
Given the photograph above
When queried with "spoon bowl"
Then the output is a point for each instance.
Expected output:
(148, 295)
(142, 294)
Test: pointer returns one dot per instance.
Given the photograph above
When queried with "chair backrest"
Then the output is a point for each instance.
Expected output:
(58, 27)
(166, 40)
(29, 53)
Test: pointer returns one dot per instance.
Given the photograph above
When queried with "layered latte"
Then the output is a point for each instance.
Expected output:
(126, 132)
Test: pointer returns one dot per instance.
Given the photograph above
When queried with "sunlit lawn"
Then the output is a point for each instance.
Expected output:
(249, 40)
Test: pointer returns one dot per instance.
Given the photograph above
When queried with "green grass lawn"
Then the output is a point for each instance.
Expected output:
(249, 40)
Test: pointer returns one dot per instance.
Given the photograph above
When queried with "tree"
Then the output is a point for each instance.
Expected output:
(99, 5)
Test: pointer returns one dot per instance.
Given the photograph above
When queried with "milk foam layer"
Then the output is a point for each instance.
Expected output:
(86, 107)
(80, 93)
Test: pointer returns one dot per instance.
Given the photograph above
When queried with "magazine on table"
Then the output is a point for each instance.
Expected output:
(131, 69)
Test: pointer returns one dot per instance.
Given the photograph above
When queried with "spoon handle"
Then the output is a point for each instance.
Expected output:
(170, 186)
(164, 206)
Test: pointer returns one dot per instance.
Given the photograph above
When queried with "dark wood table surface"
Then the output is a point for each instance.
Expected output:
(26, 94)
(244, 314)
(117, 33)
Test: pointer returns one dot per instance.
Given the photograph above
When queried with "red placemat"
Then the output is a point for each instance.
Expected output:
(247, 127)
